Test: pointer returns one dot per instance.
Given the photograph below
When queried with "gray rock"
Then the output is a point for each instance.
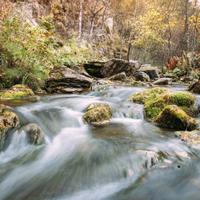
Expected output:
(153, 72)
(65, 80)
(117, 66)
(141, 76)
(195, 87)
(163, 81)
(118, 77)
(34, 134)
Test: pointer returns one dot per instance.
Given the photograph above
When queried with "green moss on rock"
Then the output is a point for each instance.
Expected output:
(8, 120)
(173, 117)
(182, 99)
(147, 95)
(185, 100)
(16, 92)
(98, 113)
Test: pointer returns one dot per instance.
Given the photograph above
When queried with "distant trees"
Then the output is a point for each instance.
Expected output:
(149, 30)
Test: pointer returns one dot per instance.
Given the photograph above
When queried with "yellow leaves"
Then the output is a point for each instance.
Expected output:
(195, 22)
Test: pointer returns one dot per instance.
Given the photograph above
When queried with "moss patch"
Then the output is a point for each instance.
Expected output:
(185, 100)
(16, 92)
(97, 113)
(147, 95)
(182, 99)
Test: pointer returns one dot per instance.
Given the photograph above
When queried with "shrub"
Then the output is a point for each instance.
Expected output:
(27, 50)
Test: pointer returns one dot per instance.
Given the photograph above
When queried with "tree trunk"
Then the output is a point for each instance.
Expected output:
(186, 31)
(92, 26)
(80, 24)
(129, 51)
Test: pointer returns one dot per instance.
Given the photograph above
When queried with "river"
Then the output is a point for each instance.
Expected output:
(130, 159)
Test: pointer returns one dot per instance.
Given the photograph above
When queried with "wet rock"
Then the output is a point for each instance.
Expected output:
(195, 87)
(8, 121)
(191, 138)
(34, 134)
(163, 81)
(117, 66)
(17, 92)
(65, 80)
(119, 77)
(142, 76)
(153, 72)
(172, 117)
(97, 114)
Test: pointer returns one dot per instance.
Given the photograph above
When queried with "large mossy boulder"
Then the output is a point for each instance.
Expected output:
(97, 114)
(34, 134)
(184, 100)
(8, 121)
(173, 117)
(156, 99)
(195, 87)
(65, 80)
(17, 92)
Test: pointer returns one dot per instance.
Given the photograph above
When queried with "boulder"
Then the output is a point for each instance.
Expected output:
(153, 72)
(141, 76)
(172, 117)
(163, 81)
(119, 77)
(116, 66)
(17, 92)
(34, 134)
(185, 100)
(97, 114)
(65, 80)
(8, 121)
(94, 68)
(155, 100)
(195, 87)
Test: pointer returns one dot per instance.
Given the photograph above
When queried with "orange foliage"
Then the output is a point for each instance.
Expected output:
(5, 8)
(172, 63)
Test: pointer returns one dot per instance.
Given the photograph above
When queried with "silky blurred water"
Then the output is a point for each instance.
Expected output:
(130, 159)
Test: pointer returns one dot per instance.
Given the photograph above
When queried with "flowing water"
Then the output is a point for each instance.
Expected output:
(130, 159)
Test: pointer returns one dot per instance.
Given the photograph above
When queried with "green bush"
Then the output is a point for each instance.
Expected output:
(27, 50)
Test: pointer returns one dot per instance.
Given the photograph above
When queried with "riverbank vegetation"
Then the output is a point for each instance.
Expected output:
(36, 36)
